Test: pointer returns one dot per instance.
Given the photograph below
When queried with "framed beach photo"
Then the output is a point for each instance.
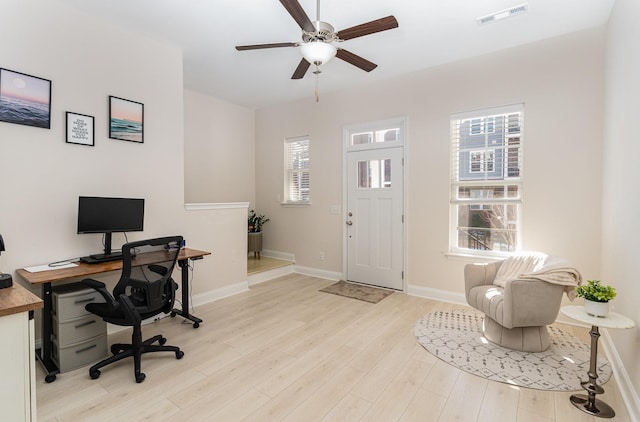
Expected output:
(25, 99)
(126, 120)
(80, 129)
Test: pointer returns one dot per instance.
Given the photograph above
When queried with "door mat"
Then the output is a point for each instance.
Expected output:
(357, 291)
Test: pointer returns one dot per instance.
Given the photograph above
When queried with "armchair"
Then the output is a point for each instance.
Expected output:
(145, 289)
(516, 315)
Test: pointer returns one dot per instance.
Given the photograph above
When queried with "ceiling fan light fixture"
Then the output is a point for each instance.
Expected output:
(318, 52)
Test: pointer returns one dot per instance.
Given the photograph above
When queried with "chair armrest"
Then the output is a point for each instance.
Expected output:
(479, 275)
(529, 303)
(129, 309)
(101, 288)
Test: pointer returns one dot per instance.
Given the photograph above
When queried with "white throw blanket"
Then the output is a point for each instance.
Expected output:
(539, 266)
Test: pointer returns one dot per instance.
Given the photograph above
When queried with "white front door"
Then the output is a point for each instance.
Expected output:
(375, 186)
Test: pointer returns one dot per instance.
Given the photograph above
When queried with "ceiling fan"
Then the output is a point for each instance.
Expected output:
(318, 38)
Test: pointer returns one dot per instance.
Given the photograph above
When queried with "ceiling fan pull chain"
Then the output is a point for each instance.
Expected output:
(317, 91)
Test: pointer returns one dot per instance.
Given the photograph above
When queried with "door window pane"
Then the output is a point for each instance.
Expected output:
(384, 135)
(374, 174)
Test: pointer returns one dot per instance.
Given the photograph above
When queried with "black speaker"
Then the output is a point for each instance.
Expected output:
(5, 279)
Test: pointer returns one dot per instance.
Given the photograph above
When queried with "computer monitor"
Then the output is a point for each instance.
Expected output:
(107, 215)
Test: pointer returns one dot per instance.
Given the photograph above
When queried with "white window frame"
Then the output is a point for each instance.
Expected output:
(489, 181)
(293, 171)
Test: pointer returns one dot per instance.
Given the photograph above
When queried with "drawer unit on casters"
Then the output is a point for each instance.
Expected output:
(79, 337)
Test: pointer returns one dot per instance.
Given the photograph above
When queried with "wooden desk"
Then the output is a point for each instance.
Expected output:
(83, 270)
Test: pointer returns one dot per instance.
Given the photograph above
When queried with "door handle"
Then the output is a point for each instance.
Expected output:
(349, 223)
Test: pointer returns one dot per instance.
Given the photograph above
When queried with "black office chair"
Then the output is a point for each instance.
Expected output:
(145, 289)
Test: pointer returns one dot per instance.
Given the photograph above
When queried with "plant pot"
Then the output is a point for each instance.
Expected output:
(254, 244)
(597, 309)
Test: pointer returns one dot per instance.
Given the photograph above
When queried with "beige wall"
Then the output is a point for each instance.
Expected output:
(621, 191)
(219, 149)
(42, 176)
(561, 83)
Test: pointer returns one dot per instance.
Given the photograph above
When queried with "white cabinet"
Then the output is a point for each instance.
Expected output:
(17, 354)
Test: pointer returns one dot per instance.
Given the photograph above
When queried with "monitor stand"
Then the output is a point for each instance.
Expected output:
(98, 258)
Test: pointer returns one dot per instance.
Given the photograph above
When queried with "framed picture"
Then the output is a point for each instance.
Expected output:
(25, 99)
(80, 129)
(126, 120)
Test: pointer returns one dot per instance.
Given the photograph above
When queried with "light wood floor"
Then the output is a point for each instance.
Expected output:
(255, 265)
(285, 351)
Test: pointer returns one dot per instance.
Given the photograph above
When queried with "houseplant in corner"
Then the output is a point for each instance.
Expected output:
(596, 297)
(255, 223)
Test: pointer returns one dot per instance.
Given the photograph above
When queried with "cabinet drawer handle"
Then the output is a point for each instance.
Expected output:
(84, 324)
(91, 299)
(86, 348)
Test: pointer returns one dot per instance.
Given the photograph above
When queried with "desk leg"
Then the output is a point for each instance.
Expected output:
(590, 404)
(184, 312)
(44, 353)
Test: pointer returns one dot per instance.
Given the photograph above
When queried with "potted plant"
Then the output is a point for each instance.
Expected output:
(255, 223)
(596, 297)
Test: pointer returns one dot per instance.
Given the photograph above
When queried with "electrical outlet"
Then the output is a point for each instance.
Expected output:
(321, 256)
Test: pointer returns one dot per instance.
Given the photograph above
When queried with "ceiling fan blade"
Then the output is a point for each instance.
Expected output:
(259, 46)
(355, 60)
(297, 13)
(301, 69)
(372, 27)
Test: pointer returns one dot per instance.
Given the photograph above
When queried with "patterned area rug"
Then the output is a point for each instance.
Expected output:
(456, 338)
(357, 291)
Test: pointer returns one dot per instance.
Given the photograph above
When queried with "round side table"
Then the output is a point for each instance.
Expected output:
(588, 403)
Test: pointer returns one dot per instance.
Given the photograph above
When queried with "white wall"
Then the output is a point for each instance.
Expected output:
(42, 176)
(621, 191)
(561, 83)
(219, 140)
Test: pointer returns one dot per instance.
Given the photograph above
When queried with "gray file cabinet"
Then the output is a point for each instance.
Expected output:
(79, 337)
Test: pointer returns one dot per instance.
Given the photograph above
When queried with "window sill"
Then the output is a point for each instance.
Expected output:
(295, 204)
(466, 257)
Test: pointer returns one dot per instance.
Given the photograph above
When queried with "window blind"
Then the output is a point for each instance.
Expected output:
(297, 189)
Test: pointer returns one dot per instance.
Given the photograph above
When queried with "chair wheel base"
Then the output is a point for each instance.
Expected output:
(140, 377)
(179, 354)
(94, 374)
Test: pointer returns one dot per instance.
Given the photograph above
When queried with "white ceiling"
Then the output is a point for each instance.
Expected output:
(430, 32)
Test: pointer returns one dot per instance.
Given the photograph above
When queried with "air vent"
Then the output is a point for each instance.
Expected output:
(503, 14)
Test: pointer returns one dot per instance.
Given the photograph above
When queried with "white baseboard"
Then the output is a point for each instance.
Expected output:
(279, 255)
(263, 276)
(222, 292)
(625, 386)
(436, 294)
(315, 272)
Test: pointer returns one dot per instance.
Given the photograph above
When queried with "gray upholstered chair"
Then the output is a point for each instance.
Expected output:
(517, 315)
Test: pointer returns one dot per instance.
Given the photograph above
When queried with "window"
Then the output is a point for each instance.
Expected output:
(296, 161)
(482, 125)
(376, 136)
(486, 180)
(481, 161)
